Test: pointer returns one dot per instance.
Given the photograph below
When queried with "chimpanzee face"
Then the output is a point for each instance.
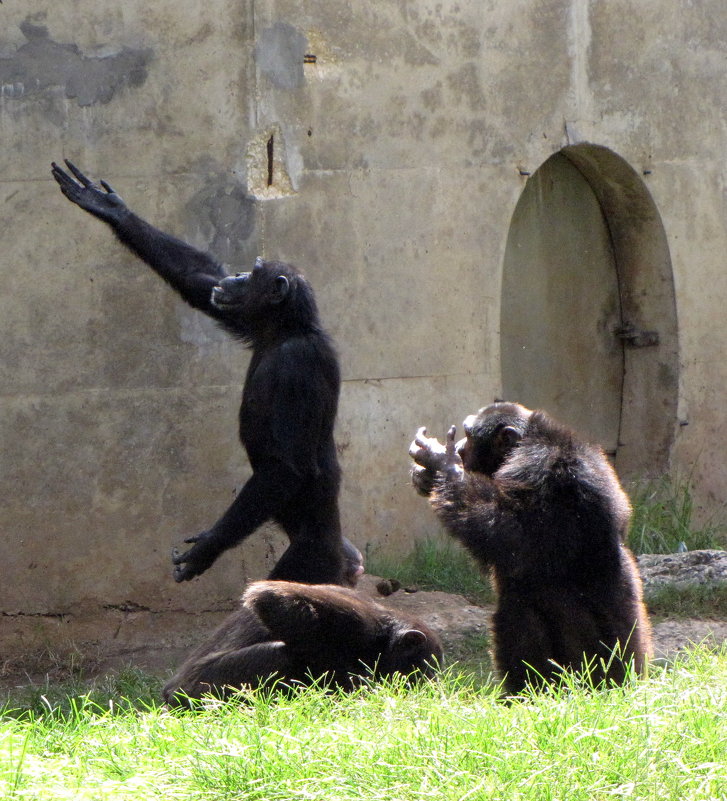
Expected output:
(230, 292)
(252, 292)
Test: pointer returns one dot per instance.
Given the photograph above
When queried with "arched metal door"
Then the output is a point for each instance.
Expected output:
(560, 306)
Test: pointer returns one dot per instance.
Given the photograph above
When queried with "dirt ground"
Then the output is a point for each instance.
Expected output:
(454, 618)
(462, 626)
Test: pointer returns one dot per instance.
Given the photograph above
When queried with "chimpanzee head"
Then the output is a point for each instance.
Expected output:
(273, 295)
(490, 436)
(413, 652)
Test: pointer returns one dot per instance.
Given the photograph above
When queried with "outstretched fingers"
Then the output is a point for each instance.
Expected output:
(452, 459)
(72, 189)
(64, 180)
(420, 441)
(450, 446)
(422, 447)
(427, 451)
(78, 174)
(97, 199)
(67, 183)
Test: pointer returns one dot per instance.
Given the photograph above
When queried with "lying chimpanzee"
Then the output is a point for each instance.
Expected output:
(301, 633)
(546, 514)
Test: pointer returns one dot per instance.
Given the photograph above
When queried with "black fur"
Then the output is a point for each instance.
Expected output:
(300, 633)
(546, 514)
(289, 400)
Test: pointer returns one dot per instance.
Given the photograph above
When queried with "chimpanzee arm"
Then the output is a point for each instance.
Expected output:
(220, 672)
(191, 272)
(306, 616)
(266, 492)
(475, 511)
(250, 666)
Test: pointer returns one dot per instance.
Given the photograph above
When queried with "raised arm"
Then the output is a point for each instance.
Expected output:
(469, 504)
(193, 273)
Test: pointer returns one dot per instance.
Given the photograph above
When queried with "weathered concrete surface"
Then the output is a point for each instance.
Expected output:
(402, 133)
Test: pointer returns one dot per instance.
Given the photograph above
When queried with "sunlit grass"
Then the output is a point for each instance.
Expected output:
(691, 600)
(658, 738)
(665, 518)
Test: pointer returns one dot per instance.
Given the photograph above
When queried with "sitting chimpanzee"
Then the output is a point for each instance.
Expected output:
(301, 633)
(546, 514)
(289, 400)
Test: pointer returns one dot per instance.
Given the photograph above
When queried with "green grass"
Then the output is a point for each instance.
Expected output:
(664, 517)
(659, 738)
(436, 563)
(694, 600)
(59, 698)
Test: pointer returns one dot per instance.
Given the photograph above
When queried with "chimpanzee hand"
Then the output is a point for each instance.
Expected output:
(432, 457)
(427, 451)
(197, 559)
(104, 203)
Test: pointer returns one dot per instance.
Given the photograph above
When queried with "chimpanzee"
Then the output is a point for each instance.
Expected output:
(300, 633)
(546, 514)
(289, 400)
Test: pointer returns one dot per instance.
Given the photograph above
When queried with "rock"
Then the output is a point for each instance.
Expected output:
(387, 587)
(690, 567)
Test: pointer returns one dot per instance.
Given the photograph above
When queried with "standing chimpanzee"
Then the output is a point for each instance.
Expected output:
(289, 400)
(546, 514)
(299, 633)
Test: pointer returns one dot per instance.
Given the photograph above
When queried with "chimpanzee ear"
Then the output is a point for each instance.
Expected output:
(507, 438)
(412, 639)
(280, 289)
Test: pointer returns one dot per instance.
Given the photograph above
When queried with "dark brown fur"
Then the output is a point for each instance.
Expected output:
(298, 633)
(545, 513)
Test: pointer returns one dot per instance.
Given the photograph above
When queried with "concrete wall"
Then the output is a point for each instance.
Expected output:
(398, 158)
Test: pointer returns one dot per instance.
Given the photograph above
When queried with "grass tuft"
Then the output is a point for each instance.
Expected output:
(435, 563)
(664, 518)
(110, 694)
(688, 601)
